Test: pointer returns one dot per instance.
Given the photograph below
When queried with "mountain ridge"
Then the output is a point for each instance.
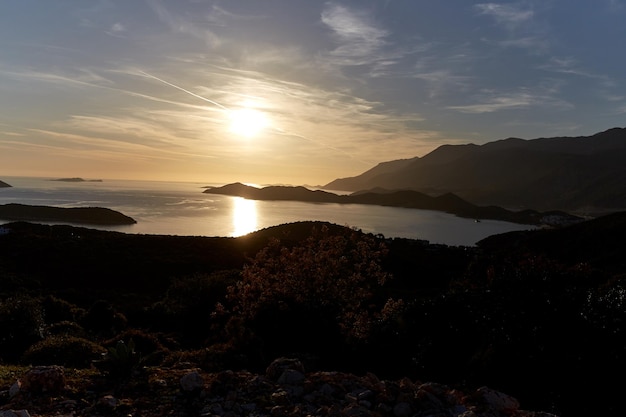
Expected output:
(575, 174)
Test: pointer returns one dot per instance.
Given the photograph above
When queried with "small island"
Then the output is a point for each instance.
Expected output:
(4, 184)
(75, 179)
(77, 215)
(449, 203)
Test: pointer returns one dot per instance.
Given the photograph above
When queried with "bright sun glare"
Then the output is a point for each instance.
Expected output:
(247, 122)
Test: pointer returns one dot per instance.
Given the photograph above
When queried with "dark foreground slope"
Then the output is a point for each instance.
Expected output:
(583, 174)
(3, 184)
(539, 315)
(78, 215)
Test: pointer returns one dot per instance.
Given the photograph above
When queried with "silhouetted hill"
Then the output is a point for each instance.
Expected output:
(3, 184)
(586, 173)
(447, 202)
(80, 215)
(536, 314)
(75, 179)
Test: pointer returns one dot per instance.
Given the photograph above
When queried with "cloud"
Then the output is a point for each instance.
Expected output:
(359, 40)
(507, 15)
(179, 24)
(491, 102)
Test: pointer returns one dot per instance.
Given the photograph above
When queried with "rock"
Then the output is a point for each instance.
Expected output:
(275, 370)
(108, 401)
(291, 377)
(402, 409)
(497, 401)
(14, 413)
(15, 389)
(192, 381)
(43, 379)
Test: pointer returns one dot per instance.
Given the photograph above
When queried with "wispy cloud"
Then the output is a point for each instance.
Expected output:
(510, 16)
(490, 102)
(180, 24)
(358, 38)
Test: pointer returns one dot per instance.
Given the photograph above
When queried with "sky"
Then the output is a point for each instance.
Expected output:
(294, 91)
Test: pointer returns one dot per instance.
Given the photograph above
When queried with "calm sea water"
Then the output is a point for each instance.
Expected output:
(179, 208)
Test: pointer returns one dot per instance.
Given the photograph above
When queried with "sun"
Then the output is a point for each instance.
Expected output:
(247, 122)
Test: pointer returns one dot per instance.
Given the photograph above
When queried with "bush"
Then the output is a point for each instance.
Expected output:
(69, 351)
(56, 310)
(66, 328)
(22, 324)
(103, 320)
(325, 290)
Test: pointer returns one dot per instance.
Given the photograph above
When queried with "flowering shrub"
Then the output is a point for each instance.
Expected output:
(335, 275)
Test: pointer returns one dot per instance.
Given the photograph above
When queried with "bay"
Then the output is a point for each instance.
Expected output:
(181, 208)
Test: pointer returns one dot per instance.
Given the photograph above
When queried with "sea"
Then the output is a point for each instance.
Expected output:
(181, 208)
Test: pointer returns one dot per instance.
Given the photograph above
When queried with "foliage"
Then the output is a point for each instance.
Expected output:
(67, 351)
(21, 324)
(56, 309)
(121, 360)
(325, 288)
(103, 320)
(188, 304)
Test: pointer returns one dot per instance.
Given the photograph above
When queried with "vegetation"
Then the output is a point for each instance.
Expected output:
(540, 315)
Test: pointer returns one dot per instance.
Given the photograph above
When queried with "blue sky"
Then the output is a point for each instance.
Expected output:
(294, 91)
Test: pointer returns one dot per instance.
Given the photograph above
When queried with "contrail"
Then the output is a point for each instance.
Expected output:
(215, 103)
(276, 129)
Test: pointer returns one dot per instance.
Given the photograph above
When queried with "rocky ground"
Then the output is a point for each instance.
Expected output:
(285, 389)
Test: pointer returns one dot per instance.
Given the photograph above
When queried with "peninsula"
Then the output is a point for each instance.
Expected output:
(448, 202)
(77, 215)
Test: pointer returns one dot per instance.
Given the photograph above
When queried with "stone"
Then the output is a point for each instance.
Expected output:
(402, 409)
(108, 401)
(43, 379)
(192, 381)
(15, 389)
(498, 401)
(291, 377)
(280, 365)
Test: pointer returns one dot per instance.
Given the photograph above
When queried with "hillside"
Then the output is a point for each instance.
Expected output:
(448, 202)
(3, 184)
(518, 308)
(78, 215)
(576, 174)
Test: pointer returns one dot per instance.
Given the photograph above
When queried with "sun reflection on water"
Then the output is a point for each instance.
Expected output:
(244, 216)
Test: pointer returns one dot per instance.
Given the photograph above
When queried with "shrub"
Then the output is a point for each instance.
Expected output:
(56, 310)
(22, 324)
(67, 351)
(103, 320)
(121, 360)
(66, 328)
(328, 286)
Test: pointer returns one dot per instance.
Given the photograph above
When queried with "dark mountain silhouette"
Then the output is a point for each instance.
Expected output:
(586, 173)
(447, 202)
(3, 184)
(79, 215)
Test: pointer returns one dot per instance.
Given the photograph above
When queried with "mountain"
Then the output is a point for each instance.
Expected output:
(584, 174)
(448, 202)
(4, 184)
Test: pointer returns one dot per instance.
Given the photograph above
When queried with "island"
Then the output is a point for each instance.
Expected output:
(77, 215)
(4, 184)
(449, 203)
(75, 179)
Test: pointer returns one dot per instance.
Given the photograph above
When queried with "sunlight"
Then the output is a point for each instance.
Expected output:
(244, 216)
(247, 122)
